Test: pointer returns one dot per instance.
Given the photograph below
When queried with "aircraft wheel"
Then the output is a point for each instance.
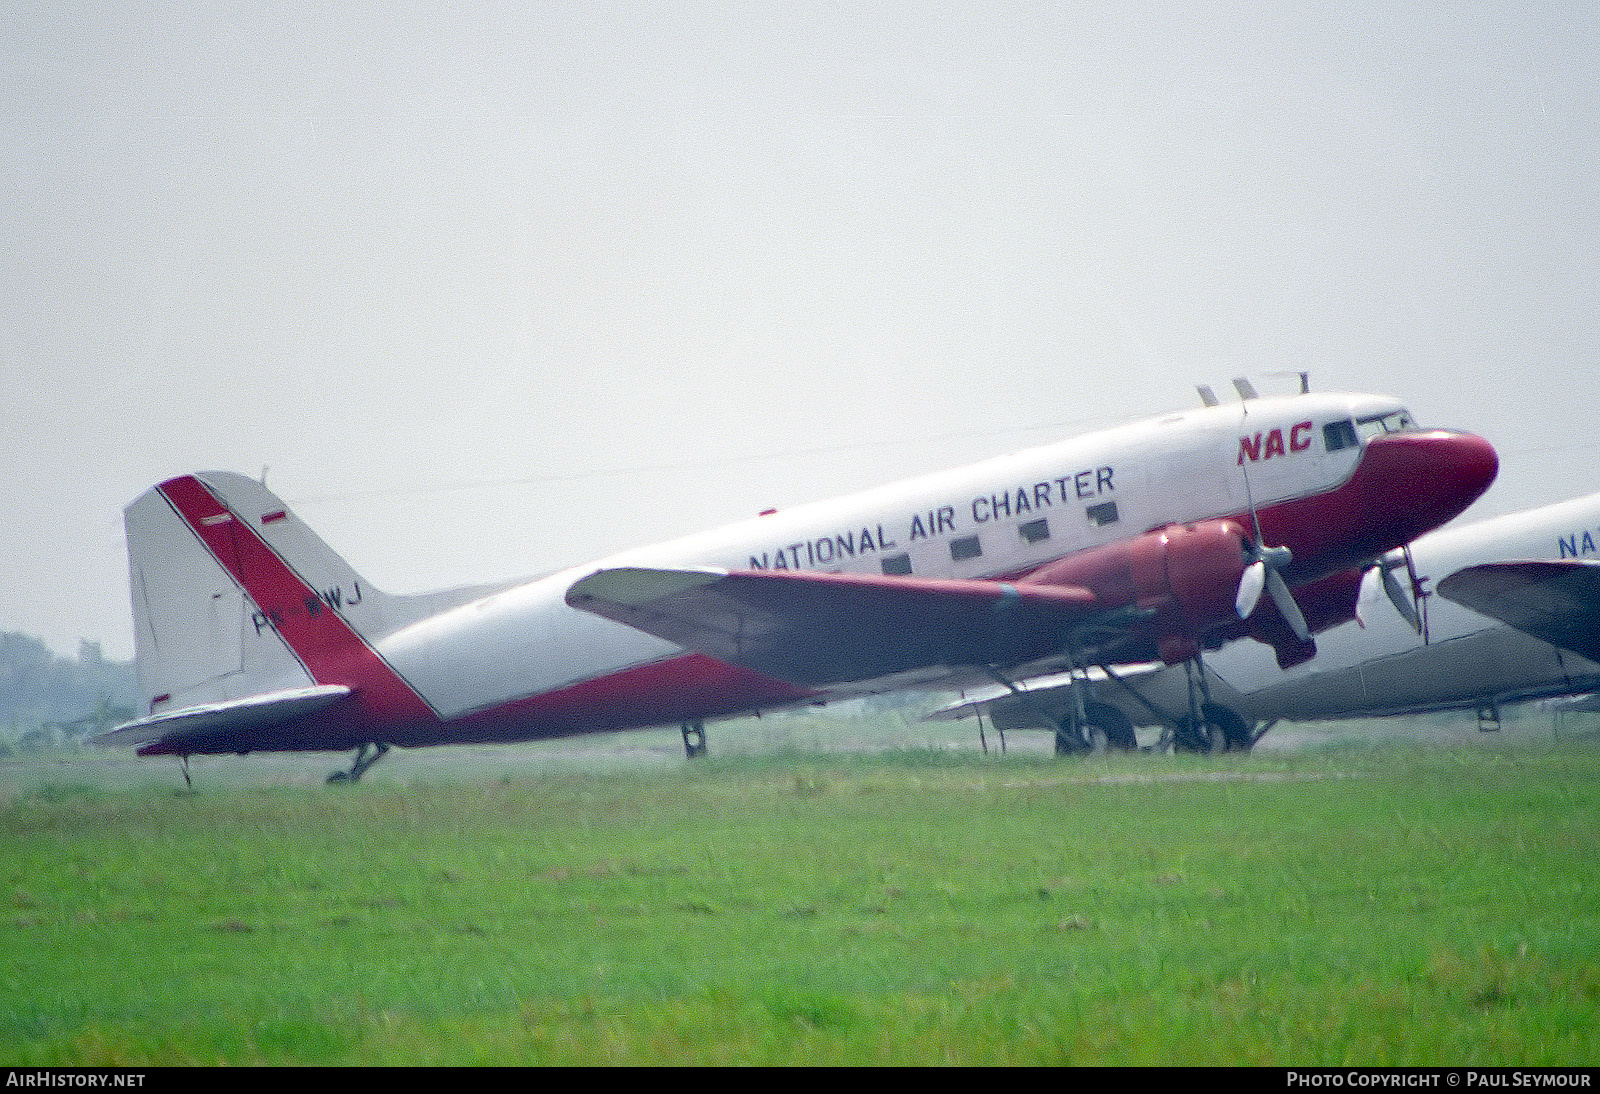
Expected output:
(1108, 729)
(1220, 731)
(1226, 724)
(1187, 737)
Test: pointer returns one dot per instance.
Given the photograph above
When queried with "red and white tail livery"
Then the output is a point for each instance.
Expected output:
(1157, 540)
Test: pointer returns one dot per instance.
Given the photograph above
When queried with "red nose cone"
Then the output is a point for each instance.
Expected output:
(1426, 478)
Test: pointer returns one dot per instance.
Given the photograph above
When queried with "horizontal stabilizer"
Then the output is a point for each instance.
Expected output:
(1555, 601)
(817, 629)
(254, 713)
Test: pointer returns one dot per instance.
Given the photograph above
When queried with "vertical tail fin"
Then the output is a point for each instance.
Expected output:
(233, 596)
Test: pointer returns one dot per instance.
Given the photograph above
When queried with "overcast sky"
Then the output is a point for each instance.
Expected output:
(492, 288)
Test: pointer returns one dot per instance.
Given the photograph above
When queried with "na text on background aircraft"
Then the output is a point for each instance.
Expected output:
(1503, 610)
(1151, 541)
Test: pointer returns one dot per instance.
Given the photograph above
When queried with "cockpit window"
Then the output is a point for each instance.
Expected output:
(1340, 434)
(1393, 422)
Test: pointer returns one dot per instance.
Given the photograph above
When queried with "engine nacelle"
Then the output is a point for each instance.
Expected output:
(1325, 603)
(1186, 576)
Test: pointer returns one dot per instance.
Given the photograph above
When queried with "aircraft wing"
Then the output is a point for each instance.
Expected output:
(238, 716)
(1555, 601)
(820, 630)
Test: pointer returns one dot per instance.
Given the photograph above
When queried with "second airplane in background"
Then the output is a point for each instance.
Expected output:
(1154, 541)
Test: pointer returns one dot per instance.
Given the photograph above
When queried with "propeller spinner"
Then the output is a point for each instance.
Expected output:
(1263, 571)
(1405, 601)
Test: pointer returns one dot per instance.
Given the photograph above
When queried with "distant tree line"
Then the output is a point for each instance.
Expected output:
(49, 701)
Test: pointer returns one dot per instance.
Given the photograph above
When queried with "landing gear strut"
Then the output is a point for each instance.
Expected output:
(1087, 726)
(694, 739)
(1209, 727)
(1100, 727)
(363, 760)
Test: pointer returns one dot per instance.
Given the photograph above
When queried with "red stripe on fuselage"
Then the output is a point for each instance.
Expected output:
(680, 689)
(331, 650)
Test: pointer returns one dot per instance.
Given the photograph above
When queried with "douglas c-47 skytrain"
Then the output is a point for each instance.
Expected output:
(1150, 542)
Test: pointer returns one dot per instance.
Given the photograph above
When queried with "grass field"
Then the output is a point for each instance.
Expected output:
(1370, 902)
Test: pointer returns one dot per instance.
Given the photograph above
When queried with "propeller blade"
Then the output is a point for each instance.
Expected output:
(1251, 583)
(1401, 599)
(1284, 599)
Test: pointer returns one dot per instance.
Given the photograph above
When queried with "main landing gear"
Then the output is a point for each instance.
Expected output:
(367, 755)
(1209, 727)
(1089, 726)
(1086, 726)
(1217, 729)
(1100, 728)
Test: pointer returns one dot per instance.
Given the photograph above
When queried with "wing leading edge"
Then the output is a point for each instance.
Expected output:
(819, 630)
(1556, 601)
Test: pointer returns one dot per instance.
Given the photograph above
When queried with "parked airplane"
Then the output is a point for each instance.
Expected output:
(1511, 616)
(1555, 600)
(1153, 540)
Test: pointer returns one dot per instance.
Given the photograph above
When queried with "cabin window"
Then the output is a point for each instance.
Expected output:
(1340, 434)
(964, 548)
(1034, 531)
(1103, 514)
(897, 565)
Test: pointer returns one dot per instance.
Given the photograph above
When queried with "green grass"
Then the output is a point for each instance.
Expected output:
(1388, 904)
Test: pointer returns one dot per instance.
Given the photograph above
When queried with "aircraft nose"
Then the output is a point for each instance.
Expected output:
(1426, 478)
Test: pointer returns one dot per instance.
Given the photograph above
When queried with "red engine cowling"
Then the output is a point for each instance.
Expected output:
(1185, 575)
